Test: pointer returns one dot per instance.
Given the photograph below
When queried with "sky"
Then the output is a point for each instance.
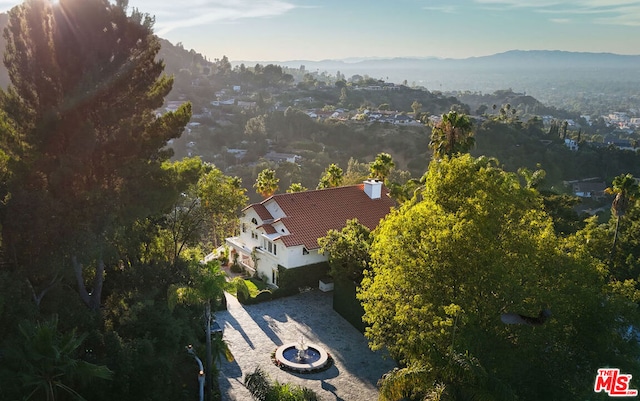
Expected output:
(283, 30)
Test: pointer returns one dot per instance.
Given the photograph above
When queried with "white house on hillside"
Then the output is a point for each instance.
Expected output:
(283, 230)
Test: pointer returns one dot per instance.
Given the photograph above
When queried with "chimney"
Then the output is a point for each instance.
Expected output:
(373, 188)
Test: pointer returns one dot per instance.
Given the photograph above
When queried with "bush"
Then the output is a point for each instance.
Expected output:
(262, 296)
(242, 291)
(290, 280)
(236, 268)
(224, 256)
(263, 389)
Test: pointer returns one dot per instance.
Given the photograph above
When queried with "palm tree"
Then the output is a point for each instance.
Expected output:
(206, 287)
(452, 135)
(332, 177)
(266, 183)
(410, 381)
(296, 187)
(625, 189)
(263, 389)
(381, 167)
(48, 361)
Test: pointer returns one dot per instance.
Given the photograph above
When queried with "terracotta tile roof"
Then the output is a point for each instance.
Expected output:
(262, 211)
(311, 214)
(268, 228)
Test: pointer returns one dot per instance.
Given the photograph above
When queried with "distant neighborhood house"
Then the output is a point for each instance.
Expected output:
(282, 157)
(588, 188)
(572, 144)
(283, 230)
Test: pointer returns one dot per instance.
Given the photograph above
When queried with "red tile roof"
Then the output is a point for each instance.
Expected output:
(268, 228)
(311, 214)
(262, 211)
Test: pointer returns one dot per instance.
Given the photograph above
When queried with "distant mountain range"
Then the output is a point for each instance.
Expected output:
(553, 77)
(528, 59)
(536, 71)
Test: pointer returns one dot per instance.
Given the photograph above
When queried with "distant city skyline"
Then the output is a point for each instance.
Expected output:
(281, 30)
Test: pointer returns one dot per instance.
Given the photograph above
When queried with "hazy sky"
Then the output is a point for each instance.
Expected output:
(279, 30)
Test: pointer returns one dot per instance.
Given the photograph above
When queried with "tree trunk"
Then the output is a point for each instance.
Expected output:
(92, 300)
(37, 298)
(615, 240)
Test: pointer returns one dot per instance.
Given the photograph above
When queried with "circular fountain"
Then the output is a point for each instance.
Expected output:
(302, 357)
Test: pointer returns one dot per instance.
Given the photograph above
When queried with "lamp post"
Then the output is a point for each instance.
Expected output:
(200, 373)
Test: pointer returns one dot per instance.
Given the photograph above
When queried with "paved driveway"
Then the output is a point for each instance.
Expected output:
(253, 332)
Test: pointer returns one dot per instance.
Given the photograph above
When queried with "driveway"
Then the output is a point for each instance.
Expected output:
(253, 332)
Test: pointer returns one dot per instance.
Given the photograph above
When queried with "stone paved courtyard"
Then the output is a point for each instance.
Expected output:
(253, 332)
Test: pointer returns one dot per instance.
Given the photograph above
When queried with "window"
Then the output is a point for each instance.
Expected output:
(254, 235)
(269, 246)
(244, 228)
(254, 221)
(305, 251)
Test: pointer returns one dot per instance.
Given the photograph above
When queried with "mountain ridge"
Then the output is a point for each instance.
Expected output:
(510, 54)
(545, 74)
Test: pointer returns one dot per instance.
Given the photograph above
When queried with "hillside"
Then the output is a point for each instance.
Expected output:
(179, 62)
(556, 78)
(552, 77)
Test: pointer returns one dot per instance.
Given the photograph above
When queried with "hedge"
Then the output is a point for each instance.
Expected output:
(291, 280)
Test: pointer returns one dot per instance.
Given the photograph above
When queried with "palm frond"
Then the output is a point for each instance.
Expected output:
(410, 382)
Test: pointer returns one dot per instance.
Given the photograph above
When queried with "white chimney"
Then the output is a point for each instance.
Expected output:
(373, 188)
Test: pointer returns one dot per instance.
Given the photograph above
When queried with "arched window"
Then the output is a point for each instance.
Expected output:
(254, 221)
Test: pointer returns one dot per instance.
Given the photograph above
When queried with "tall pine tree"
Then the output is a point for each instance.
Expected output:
(88, 144)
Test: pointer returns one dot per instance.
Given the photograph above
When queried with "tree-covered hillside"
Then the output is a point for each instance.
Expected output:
(120, 173)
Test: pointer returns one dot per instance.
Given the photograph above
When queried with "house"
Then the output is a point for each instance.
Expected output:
(282, 157)
(572, 144)
(589, 189)
(283, 230)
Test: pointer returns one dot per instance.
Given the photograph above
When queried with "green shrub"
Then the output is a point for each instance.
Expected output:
(224, 256)
(290, 280)
(284, 292)
(255, 286)
(262, 296)
(236, 268)
(262, 388)
(242, 291)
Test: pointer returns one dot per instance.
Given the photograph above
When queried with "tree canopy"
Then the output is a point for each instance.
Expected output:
(446, 267)
(266, 183)
(331, 177)
(348, 250)
(85, 85)
(452, 135)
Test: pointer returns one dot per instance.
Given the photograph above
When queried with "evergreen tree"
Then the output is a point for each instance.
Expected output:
(85, 87)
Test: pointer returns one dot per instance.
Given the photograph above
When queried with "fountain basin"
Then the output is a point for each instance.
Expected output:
(316, 358)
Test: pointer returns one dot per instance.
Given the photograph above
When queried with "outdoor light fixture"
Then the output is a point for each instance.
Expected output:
(200, 372)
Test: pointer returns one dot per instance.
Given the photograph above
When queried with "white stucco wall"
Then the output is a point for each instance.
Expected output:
(267, 264)
(291, 257)
(273, 208)
(245, 236)
(295, 258)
